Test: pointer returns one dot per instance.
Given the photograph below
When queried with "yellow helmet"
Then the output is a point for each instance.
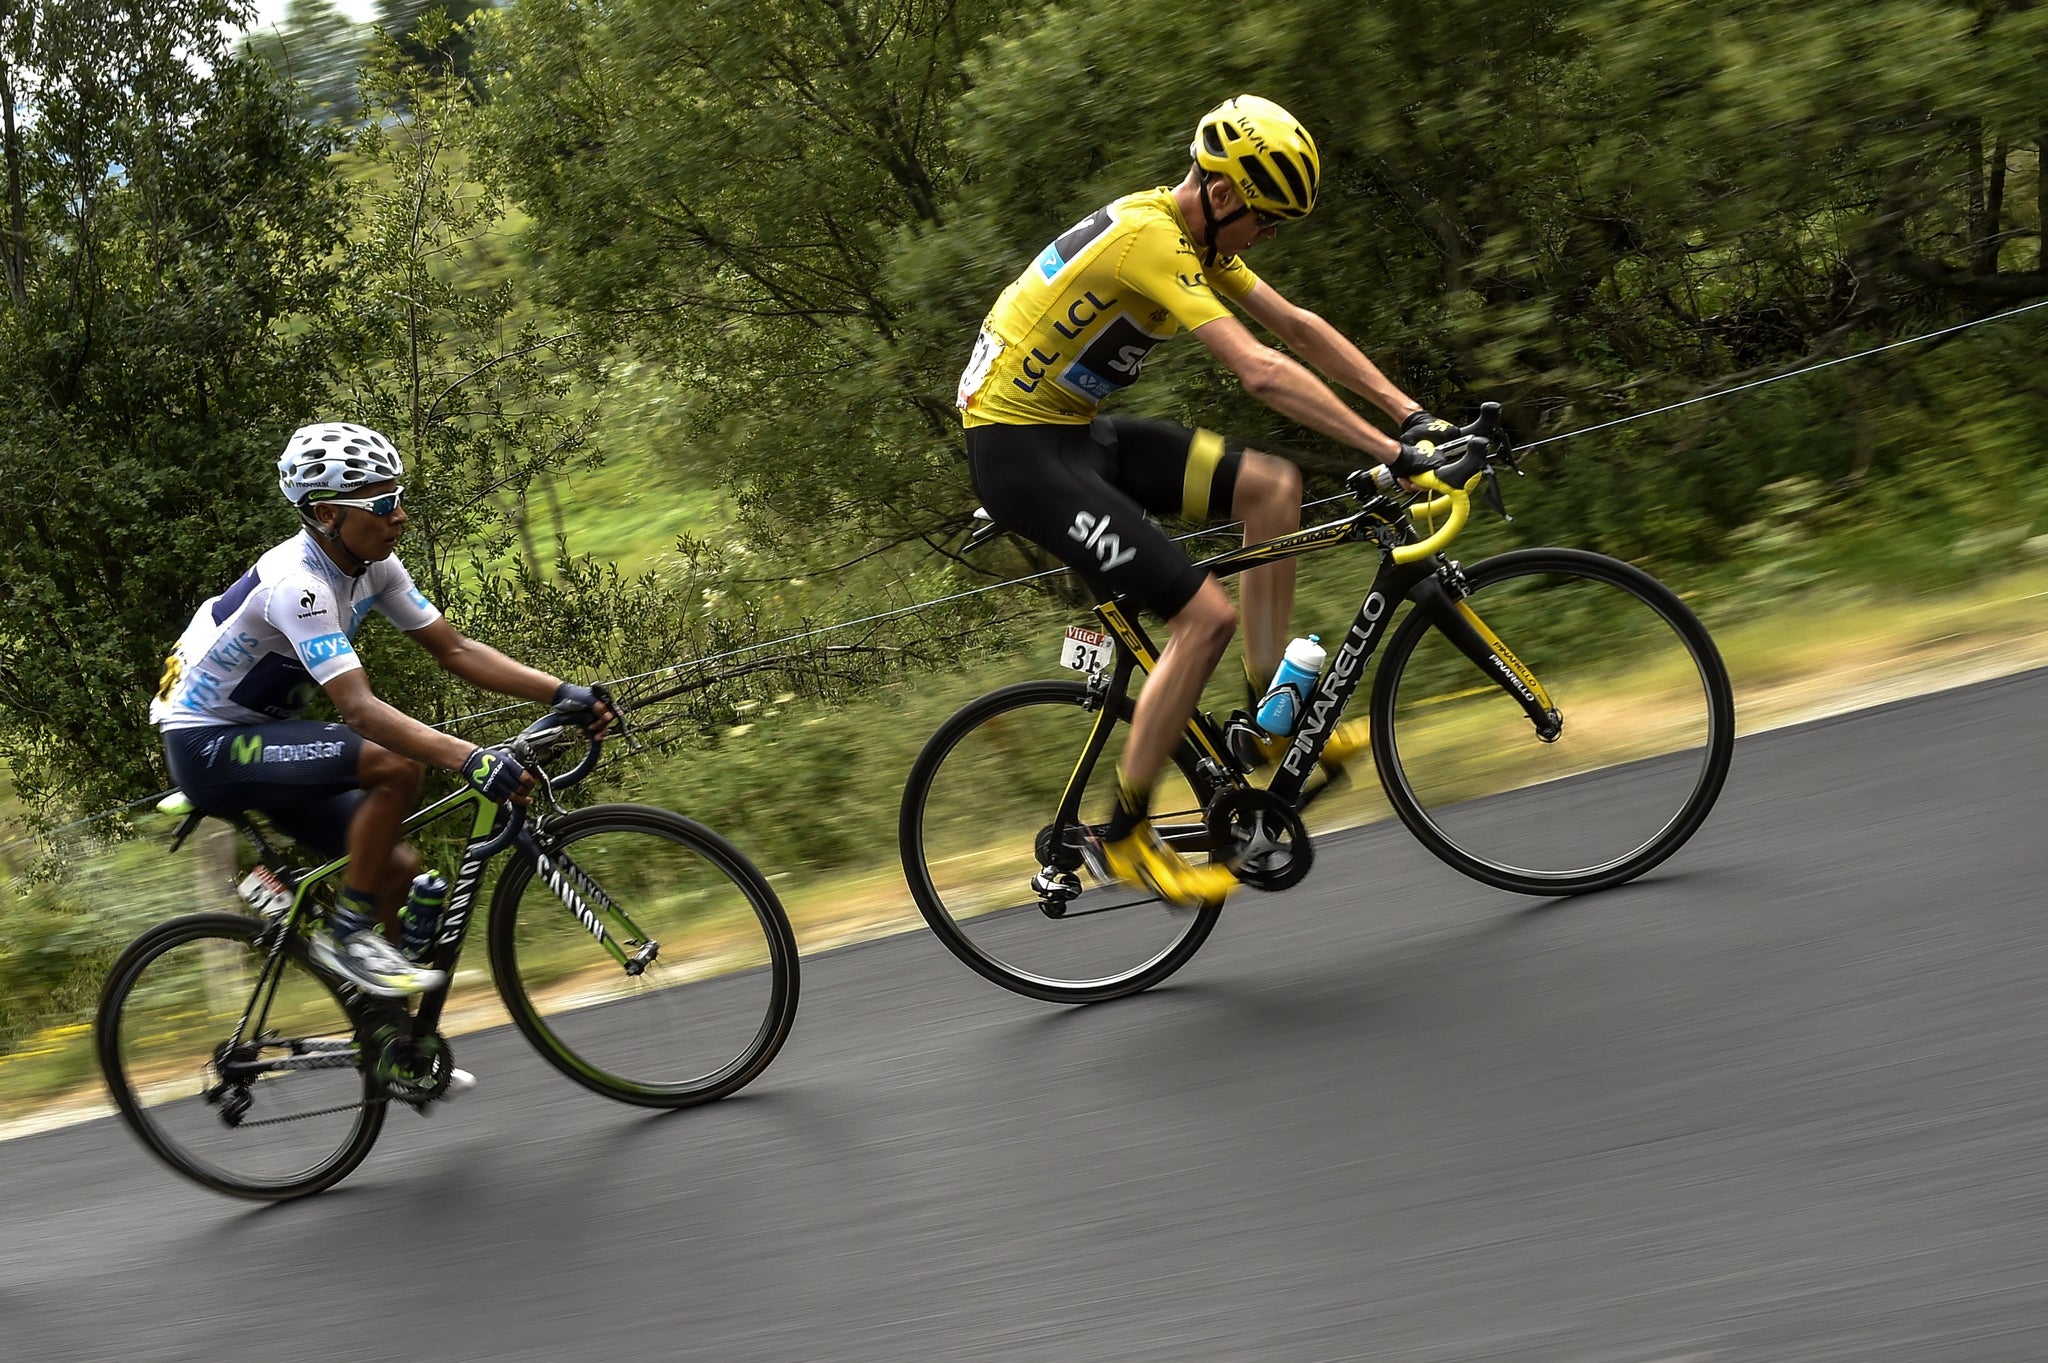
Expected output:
(1269, 157)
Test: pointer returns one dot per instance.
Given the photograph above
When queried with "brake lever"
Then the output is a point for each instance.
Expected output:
(1492, 494)
(620, 731)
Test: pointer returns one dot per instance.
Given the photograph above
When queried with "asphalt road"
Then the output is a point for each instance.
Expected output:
(1779, 1101)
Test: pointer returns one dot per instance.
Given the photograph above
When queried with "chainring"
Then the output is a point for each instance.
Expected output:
(413, 1069)
(1260, 836)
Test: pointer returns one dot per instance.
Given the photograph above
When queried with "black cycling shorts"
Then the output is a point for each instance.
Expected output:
(298, 773)
(1083, 491)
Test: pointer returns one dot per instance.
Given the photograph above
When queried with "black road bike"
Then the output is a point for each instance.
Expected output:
(640, 953)
(1547, 721)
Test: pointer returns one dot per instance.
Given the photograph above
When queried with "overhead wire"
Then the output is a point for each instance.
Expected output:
(671, 669)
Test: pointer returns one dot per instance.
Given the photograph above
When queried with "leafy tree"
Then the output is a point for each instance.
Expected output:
(1580, 209)
(432, 34)
(165, 223)
(319, 50)
(721, 184)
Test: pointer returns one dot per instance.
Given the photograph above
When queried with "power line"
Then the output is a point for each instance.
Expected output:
(670, 669)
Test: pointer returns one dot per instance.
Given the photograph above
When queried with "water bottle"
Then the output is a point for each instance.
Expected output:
(421, 916)
(1280, 711)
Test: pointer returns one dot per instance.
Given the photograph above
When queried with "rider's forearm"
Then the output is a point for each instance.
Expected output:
(1331, 352)
(1290, 388)
(389, 727)
(482, 665)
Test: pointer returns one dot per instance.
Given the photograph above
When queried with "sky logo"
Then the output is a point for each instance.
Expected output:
(325, 649)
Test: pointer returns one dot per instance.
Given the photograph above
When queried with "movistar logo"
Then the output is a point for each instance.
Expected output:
(247, 749)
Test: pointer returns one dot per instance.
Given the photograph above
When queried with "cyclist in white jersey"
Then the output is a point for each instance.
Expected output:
(249, 663)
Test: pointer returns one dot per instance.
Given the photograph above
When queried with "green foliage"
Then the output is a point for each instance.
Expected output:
(721, 184)
(1580, 211)
(476, 388)
(163, 216)
(318, 51)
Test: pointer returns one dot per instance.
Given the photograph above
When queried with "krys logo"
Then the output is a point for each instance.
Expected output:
(247, 750)
(325, 649)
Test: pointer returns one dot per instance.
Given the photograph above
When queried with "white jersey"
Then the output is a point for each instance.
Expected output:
(253, 653)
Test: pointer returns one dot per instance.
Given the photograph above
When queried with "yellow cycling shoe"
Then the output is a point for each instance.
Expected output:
(1140, 859)
(1347, 741)
(1258, 750)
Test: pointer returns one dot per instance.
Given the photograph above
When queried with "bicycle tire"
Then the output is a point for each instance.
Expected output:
(695, 894)
(1185, 930)
(129, 1052)
(1689, 655)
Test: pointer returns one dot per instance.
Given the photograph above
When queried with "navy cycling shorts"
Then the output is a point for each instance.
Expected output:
(300, 774)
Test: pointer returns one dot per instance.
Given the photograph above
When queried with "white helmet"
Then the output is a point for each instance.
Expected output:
(333, 459)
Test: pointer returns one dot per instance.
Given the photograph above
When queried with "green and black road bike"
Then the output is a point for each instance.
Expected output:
(1547, 721)
(640, 953)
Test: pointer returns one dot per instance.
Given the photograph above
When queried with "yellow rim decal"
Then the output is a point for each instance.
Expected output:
(1205, 452)
(1506, 655)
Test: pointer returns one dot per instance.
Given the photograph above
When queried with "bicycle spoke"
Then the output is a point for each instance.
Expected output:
(179, 1003)
(976, 838)
(687, 999)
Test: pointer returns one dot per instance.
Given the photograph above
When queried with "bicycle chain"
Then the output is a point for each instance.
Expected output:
(300, 1116)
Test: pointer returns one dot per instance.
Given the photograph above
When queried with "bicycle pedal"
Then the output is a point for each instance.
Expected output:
(1056, 886)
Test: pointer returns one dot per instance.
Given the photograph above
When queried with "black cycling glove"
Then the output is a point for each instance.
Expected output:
(1411, 461)
(1420, 428)
(494, 773)
(580, 703)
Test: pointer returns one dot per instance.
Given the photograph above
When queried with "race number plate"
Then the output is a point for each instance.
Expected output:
(1084, 649)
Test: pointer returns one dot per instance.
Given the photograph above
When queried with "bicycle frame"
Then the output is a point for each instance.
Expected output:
(561, 874)
(1431, 581)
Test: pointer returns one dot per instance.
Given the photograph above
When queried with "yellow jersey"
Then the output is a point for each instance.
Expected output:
(1077, 325)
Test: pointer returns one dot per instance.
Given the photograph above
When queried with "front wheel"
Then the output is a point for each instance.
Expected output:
(235, 1063)
(1642, 735)
(980, 822)
(706, 991)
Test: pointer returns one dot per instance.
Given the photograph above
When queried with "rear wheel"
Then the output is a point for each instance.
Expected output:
(978, 825)
(237, 1068)
(1647, 727)
(709, 992)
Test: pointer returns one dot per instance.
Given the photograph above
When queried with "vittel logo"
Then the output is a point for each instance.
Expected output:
(1342, 669)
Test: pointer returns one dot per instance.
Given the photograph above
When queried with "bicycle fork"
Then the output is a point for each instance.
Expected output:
(575, 888)
(1455, 619)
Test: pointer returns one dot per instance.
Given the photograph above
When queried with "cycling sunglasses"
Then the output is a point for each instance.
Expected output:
(377, 506)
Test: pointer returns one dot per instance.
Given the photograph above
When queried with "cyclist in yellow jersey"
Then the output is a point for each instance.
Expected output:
(1075, 328)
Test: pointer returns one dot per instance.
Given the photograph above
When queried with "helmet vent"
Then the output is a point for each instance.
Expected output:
(1300, 191)
(1269, 188)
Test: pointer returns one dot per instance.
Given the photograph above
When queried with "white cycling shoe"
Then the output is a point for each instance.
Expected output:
(373, 965)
